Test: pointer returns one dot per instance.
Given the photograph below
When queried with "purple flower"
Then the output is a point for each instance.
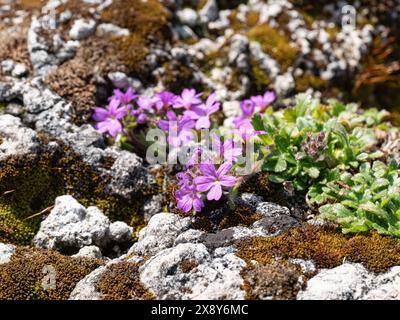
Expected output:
(145, 104)
(108, 119)
(124, 98)
(179, 129)
(227, 150)
(188, 99)
(248, 109)
(263, 101)
(213, 180)
(189, 198)
(202, 113)
(165, 99)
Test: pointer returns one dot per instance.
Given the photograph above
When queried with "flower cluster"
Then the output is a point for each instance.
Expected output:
(255, 104)
(182, 117)
(211, 177)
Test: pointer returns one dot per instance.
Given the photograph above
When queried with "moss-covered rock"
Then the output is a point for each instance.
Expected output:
(275, 281)
(275, 43)
(29, 274)
(121, 281)
(326, 246)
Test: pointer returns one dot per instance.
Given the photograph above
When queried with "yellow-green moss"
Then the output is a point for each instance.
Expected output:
(274, 43)
(259, 77)
(308, 81)
(23, 277)
(30, 184)
(326, 246)
(121, 281)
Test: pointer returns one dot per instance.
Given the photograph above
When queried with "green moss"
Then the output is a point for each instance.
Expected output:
(275, 43)
(259, 77)
(23, 277)
(121, 281)
(30, 184)
(325, 246)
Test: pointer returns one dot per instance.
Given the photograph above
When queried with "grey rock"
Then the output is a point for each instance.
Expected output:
(209, 12)
(213, 277)
(120, 232)
(6, 252)
(128, 175)
(248, 200)
(82, 29)
(266, 63)
(89, 252)
(160, 233)
(152, 206)
(70, 227)
(190, 236)
(42, 57)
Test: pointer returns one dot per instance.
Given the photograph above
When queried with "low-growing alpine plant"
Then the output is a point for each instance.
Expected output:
(333, 152)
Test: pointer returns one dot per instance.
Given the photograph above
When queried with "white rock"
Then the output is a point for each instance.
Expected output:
(346, 282)
(160, 233)
(70, 227)
(113, 29)
(188, 17)
(6, 252)
(89, 252)
(82, 29)
(213, 277)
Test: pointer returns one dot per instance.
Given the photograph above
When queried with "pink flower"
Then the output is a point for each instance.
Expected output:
(227, 150)
(189, 198)
(164, 100)
(188, 99)
(124, 98)
(263, 101)
(178, 128)
(213, 180)
(248, 109)
(108, 119)
(203, 112)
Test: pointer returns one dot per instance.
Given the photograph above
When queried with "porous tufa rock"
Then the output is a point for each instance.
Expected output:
(212, 276)
(160, 233)
(6, 252)
(70, 227)
(89, 252)
(16, 138)
(82, 29)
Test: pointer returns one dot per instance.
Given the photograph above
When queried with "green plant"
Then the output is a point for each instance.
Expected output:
(302, 144)
(333, 152)
(367, 200)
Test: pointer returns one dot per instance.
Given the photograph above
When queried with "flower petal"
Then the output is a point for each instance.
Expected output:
(215, 192)
(203, 183)
(227, 181)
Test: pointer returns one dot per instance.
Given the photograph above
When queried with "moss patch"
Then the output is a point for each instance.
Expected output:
(31, 183)
(326, 246)
(143, 18)
(274, 43)
(275, 281)
(188, 265)
(23, 277)
(121, 281)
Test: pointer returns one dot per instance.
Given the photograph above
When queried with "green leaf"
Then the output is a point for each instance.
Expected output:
(313, 172)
